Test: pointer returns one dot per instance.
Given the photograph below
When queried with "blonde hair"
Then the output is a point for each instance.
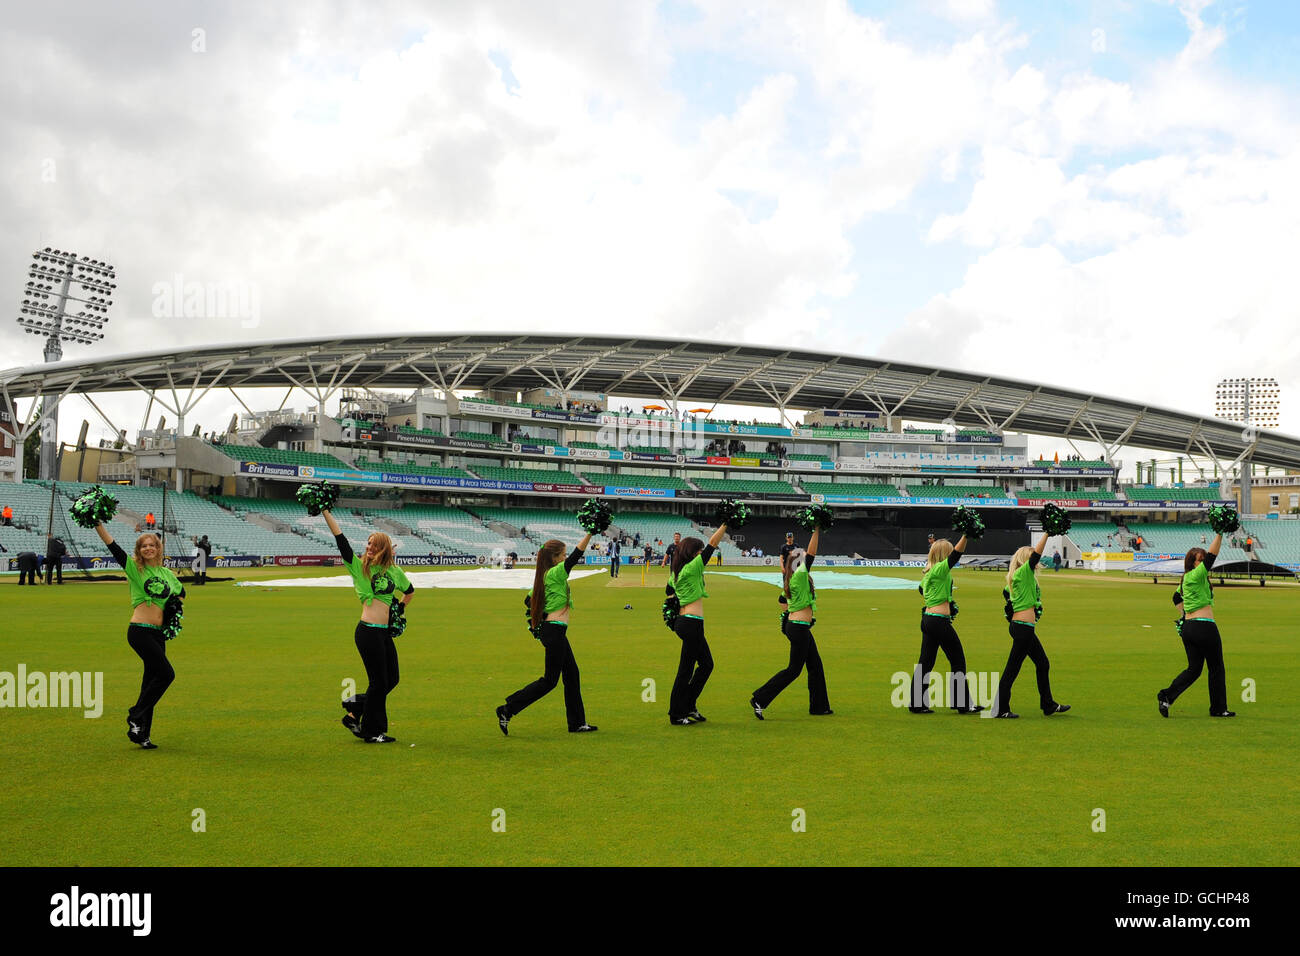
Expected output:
(939, 551)
(383, 554)
(139, 561)
(1018, 559)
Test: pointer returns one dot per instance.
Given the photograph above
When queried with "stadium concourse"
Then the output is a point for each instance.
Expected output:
(473, 449)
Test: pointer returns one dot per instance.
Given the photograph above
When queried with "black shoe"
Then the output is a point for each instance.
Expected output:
(758, 708)
(147, 744)
(696, 716)
(584, 729)
(1058, 709)
(1164, 705)
(381, 739)
(134, 732)
(680, 721)
(822, 713)
(920, 710)
(352, 724)
(972, 709)
(503, 719)
(1007, 715)
(1226, 713)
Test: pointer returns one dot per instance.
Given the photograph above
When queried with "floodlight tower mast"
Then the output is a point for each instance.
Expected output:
(1256, 404)
(55, 280)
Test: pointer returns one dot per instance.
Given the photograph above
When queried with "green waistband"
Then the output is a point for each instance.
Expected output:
(796, 621)
(556, 623)
(369, 624)
(1193, 620)
(933, 614)
(156, 627)
(694, 617)
(1026, 623)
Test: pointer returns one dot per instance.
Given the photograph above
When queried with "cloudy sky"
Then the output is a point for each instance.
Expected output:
(1102, 195)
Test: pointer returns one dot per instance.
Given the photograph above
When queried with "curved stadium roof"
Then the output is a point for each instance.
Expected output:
(696, 371)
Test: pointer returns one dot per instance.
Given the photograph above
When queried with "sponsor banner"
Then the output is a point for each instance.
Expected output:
(216, 561)
(717, 460)
(744, 462)
(565, 489)
(486, 445)
(921, 502)
(848, 413)
(491, 408)
(978, 439)
(872, 563)
(904, 437)
(268, 469)
(1029, 471)
(632, 492)
(555, 415)
(598, 453)
(436, 560)
(1144, 556)
(1059, 502)
(1108, 555)
(302, 560)
(1131, 505)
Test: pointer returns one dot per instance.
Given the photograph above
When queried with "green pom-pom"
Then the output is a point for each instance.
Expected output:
(815, 518)
(594, 516)
(1055, 520)
(173, 617)
(397, 618)
(95, 507)
(1223, 518)
(968, 522)
(318, 497)
(671, 609)
(732, 513)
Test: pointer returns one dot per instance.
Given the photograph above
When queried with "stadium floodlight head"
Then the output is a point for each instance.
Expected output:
(1255, 402)
(57, 282)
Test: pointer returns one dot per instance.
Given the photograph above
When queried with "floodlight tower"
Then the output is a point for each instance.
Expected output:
(58, 281)
(1255, 403)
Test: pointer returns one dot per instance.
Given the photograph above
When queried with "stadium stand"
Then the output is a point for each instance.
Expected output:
(850, 488)
(280, 456)
(956, 491)
(540, 475)
(753, 486)
(1147, 493)
(634, 481)
(411, 469)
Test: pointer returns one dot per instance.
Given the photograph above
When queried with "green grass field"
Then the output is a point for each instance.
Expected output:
(250, 734)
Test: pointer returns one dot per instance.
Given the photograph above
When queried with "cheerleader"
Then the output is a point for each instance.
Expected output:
(384, 591)
(548, 609)
(1199, 632)
(155, 589)
(686, 582)
(1024, 608)
(800, 598)
(937, 631)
